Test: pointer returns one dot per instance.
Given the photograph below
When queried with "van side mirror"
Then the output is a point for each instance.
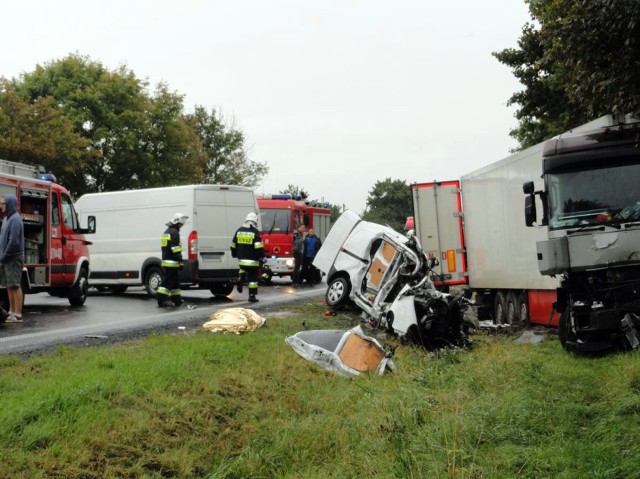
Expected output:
(91, 226)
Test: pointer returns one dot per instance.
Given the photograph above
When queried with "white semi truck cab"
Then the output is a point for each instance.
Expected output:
(591, 207)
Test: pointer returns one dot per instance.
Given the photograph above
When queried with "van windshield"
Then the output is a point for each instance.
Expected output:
(275, 220)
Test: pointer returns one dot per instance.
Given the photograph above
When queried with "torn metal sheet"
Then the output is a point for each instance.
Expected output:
(234, 320)
(348, 353)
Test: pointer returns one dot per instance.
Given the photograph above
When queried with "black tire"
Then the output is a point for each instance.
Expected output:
(222, 289)
(80, 290)
(337, 294)
(120, 289)
(4, 299)
(523, 308)
(512, 309)
(500, 308)
(152, 280)
(565, 334)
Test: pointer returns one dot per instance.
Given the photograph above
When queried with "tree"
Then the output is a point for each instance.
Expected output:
(336, 211)
(578, 61)
(106, 132)
(295, 191)
(38, 133)
(106, 108)
(389, 202)
(226, 160)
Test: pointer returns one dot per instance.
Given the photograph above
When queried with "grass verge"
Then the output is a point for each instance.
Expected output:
(246, 406)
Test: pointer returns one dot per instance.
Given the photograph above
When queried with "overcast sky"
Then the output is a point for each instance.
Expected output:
(333, 95)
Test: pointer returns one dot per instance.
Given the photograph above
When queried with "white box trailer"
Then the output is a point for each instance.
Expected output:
(476, 228)
(126, 251)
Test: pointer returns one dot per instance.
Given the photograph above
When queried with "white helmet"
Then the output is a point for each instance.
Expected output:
(252, 218)
(179, 218)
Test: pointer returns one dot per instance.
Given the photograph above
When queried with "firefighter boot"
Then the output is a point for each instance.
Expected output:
(240, 282)
(252, 298)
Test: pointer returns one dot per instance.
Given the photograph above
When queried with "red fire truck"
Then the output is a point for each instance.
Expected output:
(56, 253)
(281, 216)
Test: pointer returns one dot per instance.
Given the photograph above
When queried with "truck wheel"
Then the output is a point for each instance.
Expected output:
(337, 293)
(152, 280)
(565, 334)
(223, 289)
(513, 310)
(523, 307)
(500, 308)
(80, 290)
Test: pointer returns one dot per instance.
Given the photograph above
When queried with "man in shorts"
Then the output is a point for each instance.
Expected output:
(12, 255)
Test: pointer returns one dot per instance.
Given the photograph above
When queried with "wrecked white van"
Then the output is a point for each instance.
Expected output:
(388, 276)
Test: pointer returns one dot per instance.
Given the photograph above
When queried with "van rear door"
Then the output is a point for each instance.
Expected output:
(220, 211)
(335, 240)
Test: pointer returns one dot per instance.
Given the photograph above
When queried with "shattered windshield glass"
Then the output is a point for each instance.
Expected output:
(608, 195)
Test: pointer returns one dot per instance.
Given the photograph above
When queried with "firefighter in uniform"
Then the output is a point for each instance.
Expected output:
(247, 247)
(168, 293)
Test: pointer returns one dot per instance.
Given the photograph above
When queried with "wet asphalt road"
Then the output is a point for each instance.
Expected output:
(49, 322)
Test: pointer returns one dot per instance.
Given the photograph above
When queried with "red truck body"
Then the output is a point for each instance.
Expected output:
(280, 216)
(56, 253)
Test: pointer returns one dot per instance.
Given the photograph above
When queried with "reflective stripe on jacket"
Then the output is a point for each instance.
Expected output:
(171, 248)
(247, 246)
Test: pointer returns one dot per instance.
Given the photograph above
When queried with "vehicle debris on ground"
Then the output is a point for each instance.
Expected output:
(348, 353)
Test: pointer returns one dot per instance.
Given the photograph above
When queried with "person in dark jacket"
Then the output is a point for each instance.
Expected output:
(12, 257)
(247, 247)
(298, 255)
(312, 245)
(168, 294)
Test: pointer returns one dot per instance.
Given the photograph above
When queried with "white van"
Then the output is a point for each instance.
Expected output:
(126, 251)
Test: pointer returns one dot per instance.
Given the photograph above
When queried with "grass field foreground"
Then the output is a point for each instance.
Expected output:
(207, 405)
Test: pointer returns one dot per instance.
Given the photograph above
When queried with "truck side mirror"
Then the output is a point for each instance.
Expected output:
(528, 188)
(530, 214)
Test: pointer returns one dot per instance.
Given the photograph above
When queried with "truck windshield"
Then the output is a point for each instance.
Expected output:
(607, 195)
(275, 221)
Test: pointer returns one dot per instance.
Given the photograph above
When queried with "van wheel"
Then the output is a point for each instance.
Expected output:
(223, 289)
(80, 290)
(337, 293)
(152, 280)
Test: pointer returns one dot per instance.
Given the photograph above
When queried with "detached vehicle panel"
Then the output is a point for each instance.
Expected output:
(387, 276)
